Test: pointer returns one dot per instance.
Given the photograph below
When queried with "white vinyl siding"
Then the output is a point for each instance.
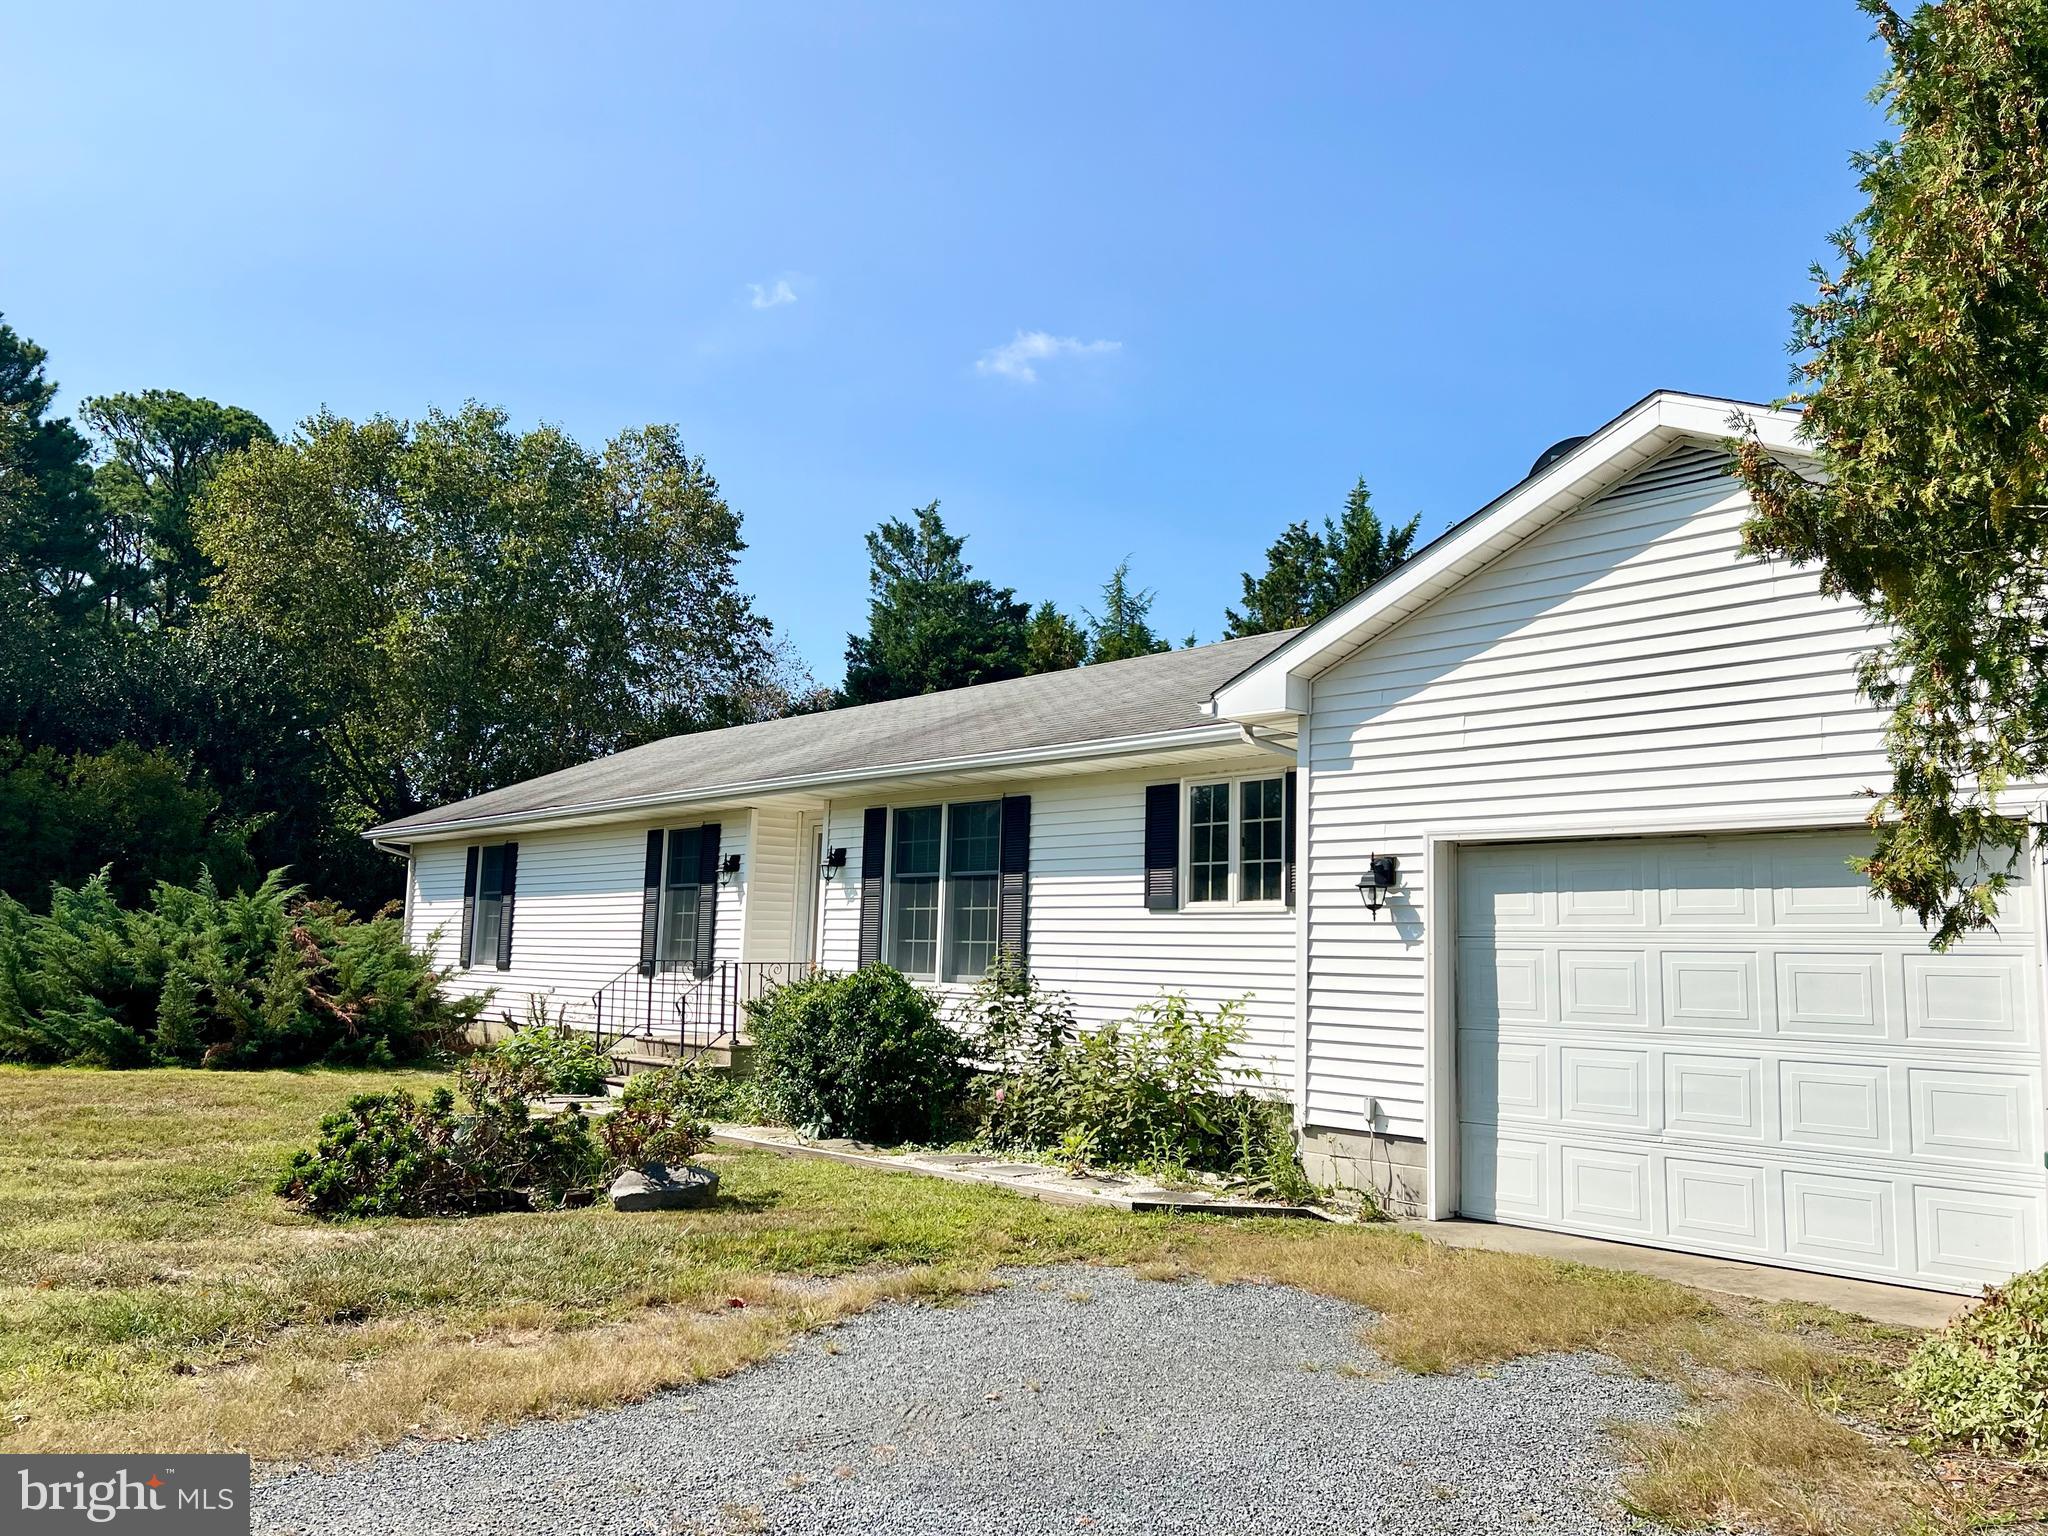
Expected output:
(1090, 935)
(1626, 661)
(576, 923)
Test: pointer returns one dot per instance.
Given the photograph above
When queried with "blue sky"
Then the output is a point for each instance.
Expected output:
(1146, 279)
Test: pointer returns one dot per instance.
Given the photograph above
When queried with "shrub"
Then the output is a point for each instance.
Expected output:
(1984, 1378)
(389, 1154)
(262, 978)
(553, 1058)
(864, 1055)
(1154, 1091)
(657, 1118)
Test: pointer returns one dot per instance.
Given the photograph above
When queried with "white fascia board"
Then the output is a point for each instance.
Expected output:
(1279, 683)
(627, 808)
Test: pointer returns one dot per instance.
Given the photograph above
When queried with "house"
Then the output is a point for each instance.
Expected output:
(1530, 861)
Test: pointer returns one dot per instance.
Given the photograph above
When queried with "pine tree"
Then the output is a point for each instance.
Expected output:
(1311, 575)
(1053, 642)
(931, 624)
(1123, 629)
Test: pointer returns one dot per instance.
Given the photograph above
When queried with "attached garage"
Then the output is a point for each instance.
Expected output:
(1723, 1044)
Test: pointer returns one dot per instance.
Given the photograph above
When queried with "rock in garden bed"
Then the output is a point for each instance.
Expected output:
(658, 1187)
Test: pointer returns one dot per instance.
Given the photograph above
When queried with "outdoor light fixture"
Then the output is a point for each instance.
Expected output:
(1381, 871)
(729, 869)
(835, 861)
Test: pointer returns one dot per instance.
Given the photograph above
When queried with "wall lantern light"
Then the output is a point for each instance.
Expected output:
(1382, 870)
(729, 869)
(835, 861)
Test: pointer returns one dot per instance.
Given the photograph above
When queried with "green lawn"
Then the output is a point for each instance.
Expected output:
(155, 1294)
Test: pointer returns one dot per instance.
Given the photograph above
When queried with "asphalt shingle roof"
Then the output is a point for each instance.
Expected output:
(1140, 697)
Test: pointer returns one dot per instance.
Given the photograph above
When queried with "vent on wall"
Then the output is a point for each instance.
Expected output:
(1681, 469)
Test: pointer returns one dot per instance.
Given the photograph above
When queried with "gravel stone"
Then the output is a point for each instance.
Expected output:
(1071, 1399)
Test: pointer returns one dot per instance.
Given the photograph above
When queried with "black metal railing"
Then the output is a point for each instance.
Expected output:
(679, 1004)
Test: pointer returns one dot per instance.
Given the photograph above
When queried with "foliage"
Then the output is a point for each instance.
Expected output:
(1052, 641)
(658, 1119)
(864, 1055)
(389, 1154)
(552, 1057)
(1923, 376)
(931, 624)
(1311, 575)
(1124, 627)
(1158, 1091)
(64, 817)
(1983, 1379)
(430, 583)
(163, 449)
(197, 977)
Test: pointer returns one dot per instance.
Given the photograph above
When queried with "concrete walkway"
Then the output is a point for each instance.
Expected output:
(1895, 1304)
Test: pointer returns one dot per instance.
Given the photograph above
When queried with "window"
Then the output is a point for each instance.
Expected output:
(1237, 840)
(490, 905)
(679, 898)
(944, 886)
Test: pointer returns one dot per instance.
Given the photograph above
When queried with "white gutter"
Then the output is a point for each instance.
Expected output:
(1252, 738)
(1156, 741)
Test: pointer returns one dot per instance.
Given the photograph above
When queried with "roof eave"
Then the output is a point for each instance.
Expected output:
(626, 807)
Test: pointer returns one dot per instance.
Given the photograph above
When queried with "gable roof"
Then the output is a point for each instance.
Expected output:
(1145, 702)
(1276, 685)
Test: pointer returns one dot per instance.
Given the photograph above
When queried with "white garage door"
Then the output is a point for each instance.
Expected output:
(1726, 1045)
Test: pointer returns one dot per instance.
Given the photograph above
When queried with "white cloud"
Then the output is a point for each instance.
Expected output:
(771, 295)
(1014, 359)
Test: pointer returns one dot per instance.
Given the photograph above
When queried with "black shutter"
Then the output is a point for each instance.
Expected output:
(650, 904)
(508, 880)
(874, 850)
(1162, 847)
(1013, 903)
(707, 895)
(469, 905)
(1287, 844)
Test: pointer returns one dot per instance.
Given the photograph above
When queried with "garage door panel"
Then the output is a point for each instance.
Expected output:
(1712, 992)
(1979, 1117)
(1721, 1204)
(1719, 1096)
(1835, 1105)
(1812, 886)
(1509, 1080)
(1831, 1219)
(1603, 987)
(1602, 889)
(1831, 996)
(1974, 1236)
(1502, 985)
(1748, 1055)
(1707, 888)
(1606, 1189)
(1967, 999)
(1605, 1089)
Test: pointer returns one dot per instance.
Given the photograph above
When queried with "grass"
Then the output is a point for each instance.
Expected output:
(155, 1294)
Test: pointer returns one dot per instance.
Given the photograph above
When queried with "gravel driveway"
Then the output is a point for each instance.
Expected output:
(1072, 1399)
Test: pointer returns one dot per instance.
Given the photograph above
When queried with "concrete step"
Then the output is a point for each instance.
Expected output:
(634, 1056)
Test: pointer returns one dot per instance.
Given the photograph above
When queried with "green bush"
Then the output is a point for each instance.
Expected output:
(865, 1055)
(389, 1154)
(262, 978)
(553, 1058)
(1983, 1379)
(1156, 1091)
(658, 1118)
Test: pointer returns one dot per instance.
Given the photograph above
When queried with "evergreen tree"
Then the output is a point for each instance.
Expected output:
(1311, 575)
(1923, 375)
(931, 624)
(1053, 642)
(1123, 629)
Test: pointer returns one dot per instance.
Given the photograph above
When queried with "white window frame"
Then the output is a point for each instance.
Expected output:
(477, 959)
(1235, 882)
(936, 977)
